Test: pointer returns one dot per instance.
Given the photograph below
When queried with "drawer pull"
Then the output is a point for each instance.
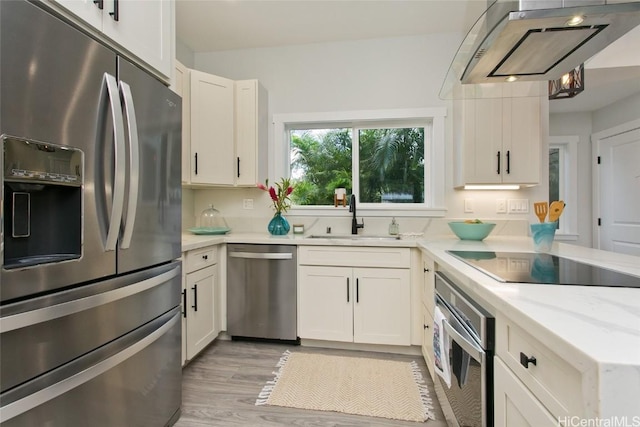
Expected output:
(425, 326)
(426, 270)
(525, 360)
(205, 257)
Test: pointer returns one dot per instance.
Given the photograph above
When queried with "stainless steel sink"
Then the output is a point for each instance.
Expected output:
(351, 237)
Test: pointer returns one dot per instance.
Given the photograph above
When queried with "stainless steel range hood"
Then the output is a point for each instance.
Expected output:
(535, 40)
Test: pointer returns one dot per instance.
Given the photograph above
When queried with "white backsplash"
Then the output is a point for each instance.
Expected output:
(229, 203)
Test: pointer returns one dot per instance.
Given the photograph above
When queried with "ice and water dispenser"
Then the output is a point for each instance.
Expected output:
(42, 218)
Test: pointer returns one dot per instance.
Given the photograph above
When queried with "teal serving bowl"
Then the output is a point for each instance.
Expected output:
(468, 231)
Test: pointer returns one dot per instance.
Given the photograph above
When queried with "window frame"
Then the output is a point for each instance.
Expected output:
(434, 180)
(568, 185)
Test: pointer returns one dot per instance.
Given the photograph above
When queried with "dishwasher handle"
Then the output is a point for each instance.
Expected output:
(261, 255)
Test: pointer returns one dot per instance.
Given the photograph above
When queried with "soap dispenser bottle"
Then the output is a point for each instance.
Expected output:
(393, 227)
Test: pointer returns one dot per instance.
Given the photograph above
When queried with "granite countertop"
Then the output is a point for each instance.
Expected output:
(596, 329)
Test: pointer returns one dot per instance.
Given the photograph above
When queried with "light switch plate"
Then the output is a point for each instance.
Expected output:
(501, 206)
(247, 203)
(468, 205)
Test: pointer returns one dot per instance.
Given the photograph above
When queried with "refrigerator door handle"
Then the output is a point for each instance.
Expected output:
(134, 164)
(28, 318)
(119, 176)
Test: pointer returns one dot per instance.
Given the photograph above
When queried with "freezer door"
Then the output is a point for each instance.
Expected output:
(132, 381)
(40, 334)
(51, 79)
(151, 231)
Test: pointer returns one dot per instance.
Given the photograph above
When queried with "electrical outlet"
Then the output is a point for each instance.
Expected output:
(247, 203)
(468, 205)
(501, 206)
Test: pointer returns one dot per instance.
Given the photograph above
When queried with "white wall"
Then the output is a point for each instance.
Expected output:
(404, 72)
(623, 111)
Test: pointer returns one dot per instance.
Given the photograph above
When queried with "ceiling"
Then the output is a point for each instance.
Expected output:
(206, 25)
(216, 25)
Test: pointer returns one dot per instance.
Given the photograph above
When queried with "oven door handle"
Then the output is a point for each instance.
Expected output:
(465, 341)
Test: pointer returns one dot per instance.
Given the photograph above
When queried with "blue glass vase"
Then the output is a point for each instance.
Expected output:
(278, 226)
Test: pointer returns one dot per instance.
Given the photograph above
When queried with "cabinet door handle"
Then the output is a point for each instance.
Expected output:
(238, 167)
(425, 326)
(184, 303)
(347, 289)
(115, 14)
(498, 163)
(196, 163)
(195, 297)
(508, 162)
(426, 270)
(357, 290)
(99, 3)
(525, 360)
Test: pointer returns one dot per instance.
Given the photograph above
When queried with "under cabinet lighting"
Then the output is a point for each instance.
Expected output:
(492, 187)
(576, 20)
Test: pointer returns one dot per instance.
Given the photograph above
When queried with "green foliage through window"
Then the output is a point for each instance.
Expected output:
(390, 163)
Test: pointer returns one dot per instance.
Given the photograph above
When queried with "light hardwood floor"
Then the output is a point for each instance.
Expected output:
(221, 385)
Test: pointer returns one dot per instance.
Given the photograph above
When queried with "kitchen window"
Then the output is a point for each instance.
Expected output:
(391, 160)
(563, 181)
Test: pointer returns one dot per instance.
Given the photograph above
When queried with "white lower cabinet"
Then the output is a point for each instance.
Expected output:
(534, 384)
(200, 284)
(354, 304)
(514, 405)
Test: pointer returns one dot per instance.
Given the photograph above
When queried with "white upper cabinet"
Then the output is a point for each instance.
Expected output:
(499, 140)
(143, 27)
(181, 85)
(225, 140)
(251, 129)
(89, 11)
(212, 155)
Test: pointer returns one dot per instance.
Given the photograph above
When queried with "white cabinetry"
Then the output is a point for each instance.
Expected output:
(532, 381)
(342, 298)
(201, 292)
(212, 128)
(181, 85)
(251, 129)
(225, 141)
(514, 405)
(428, 307)
(499, 140)
(143, 28)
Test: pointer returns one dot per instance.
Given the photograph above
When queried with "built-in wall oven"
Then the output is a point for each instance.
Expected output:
(468, 346)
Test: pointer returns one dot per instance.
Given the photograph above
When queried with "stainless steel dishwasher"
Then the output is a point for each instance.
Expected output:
(261, 291)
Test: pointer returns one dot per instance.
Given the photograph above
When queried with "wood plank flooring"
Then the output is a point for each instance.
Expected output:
(221, 385)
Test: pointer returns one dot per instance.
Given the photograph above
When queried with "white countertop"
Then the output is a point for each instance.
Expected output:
(191, 241)
(596, 329)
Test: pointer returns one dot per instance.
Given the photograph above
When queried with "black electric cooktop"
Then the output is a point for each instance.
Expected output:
(530, 267)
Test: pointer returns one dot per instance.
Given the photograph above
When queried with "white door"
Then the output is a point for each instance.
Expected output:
(201, 315)
(144, 28)
(619, 190)
(88, 10)
(212, 146)
(325, 303)
(514, 405)
(382, 308)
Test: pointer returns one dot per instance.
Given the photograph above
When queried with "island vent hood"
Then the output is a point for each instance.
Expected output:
(536, 40)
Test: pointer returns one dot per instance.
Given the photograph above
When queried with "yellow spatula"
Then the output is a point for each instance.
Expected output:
(541, 209)
(555, 210)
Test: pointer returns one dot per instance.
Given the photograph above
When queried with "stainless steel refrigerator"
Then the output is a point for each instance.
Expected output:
(91, 203)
